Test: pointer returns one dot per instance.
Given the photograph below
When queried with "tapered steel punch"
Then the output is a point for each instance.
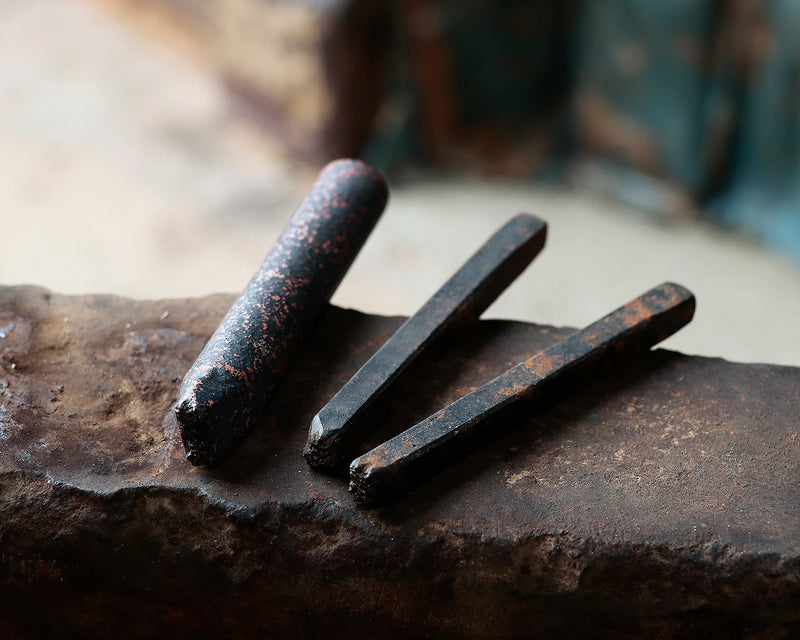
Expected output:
(446, 436)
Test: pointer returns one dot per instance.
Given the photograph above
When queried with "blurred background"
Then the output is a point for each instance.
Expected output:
(156, 148)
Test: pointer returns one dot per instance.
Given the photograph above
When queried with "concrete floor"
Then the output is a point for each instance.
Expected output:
(126, 169)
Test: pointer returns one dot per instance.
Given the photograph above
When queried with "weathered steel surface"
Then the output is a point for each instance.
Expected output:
(661, 500)
(342, 424)
(226, 389)
(449, 434)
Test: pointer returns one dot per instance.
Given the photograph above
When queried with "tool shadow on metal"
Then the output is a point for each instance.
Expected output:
(538, 432)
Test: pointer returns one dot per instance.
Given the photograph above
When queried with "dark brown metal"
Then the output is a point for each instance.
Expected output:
(343, 423)
(661, 500)
(425, 448)
(226, 389)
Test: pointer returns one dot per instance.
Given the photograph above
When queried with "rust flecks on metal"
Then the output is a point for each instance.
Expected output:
(343, 423)
(425, 448)
(227, 387)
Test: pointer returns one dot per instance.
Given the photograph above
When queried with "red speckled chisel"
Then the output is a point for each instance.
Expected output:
(440, 439)
(228, 386)
(343, 423)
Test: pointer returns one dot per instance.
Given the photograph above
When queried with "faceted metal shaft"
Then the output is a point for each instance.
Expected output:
(342, 424)
(226, 389)
(441, 439)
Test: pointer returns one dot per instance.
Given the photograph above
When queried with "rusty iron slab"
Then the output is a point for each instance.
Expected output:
(227, 387)
(459, 428)
(661, 500)
(342, 424)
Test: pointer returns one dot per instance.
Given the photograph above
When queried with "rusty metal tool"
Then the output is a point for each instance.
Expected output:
(228, 386)
(452, 432)
(343, 423)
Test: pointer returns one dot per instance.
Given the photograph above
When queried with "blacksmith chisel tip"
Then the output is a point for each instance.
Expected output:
(343, 423)
(441, 439)
(228, 386)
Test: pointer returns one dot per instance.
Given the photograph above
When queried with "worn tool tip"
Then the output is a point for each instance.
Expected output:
(185, 407)
(359, 483)
(193, 422)
(372, 484)
(315, 431)
(320, 451)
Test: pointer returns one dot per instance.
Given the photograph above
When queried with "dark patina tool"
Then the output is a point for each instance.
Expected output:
(424, 449)
(227, 387)
(342, 424)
